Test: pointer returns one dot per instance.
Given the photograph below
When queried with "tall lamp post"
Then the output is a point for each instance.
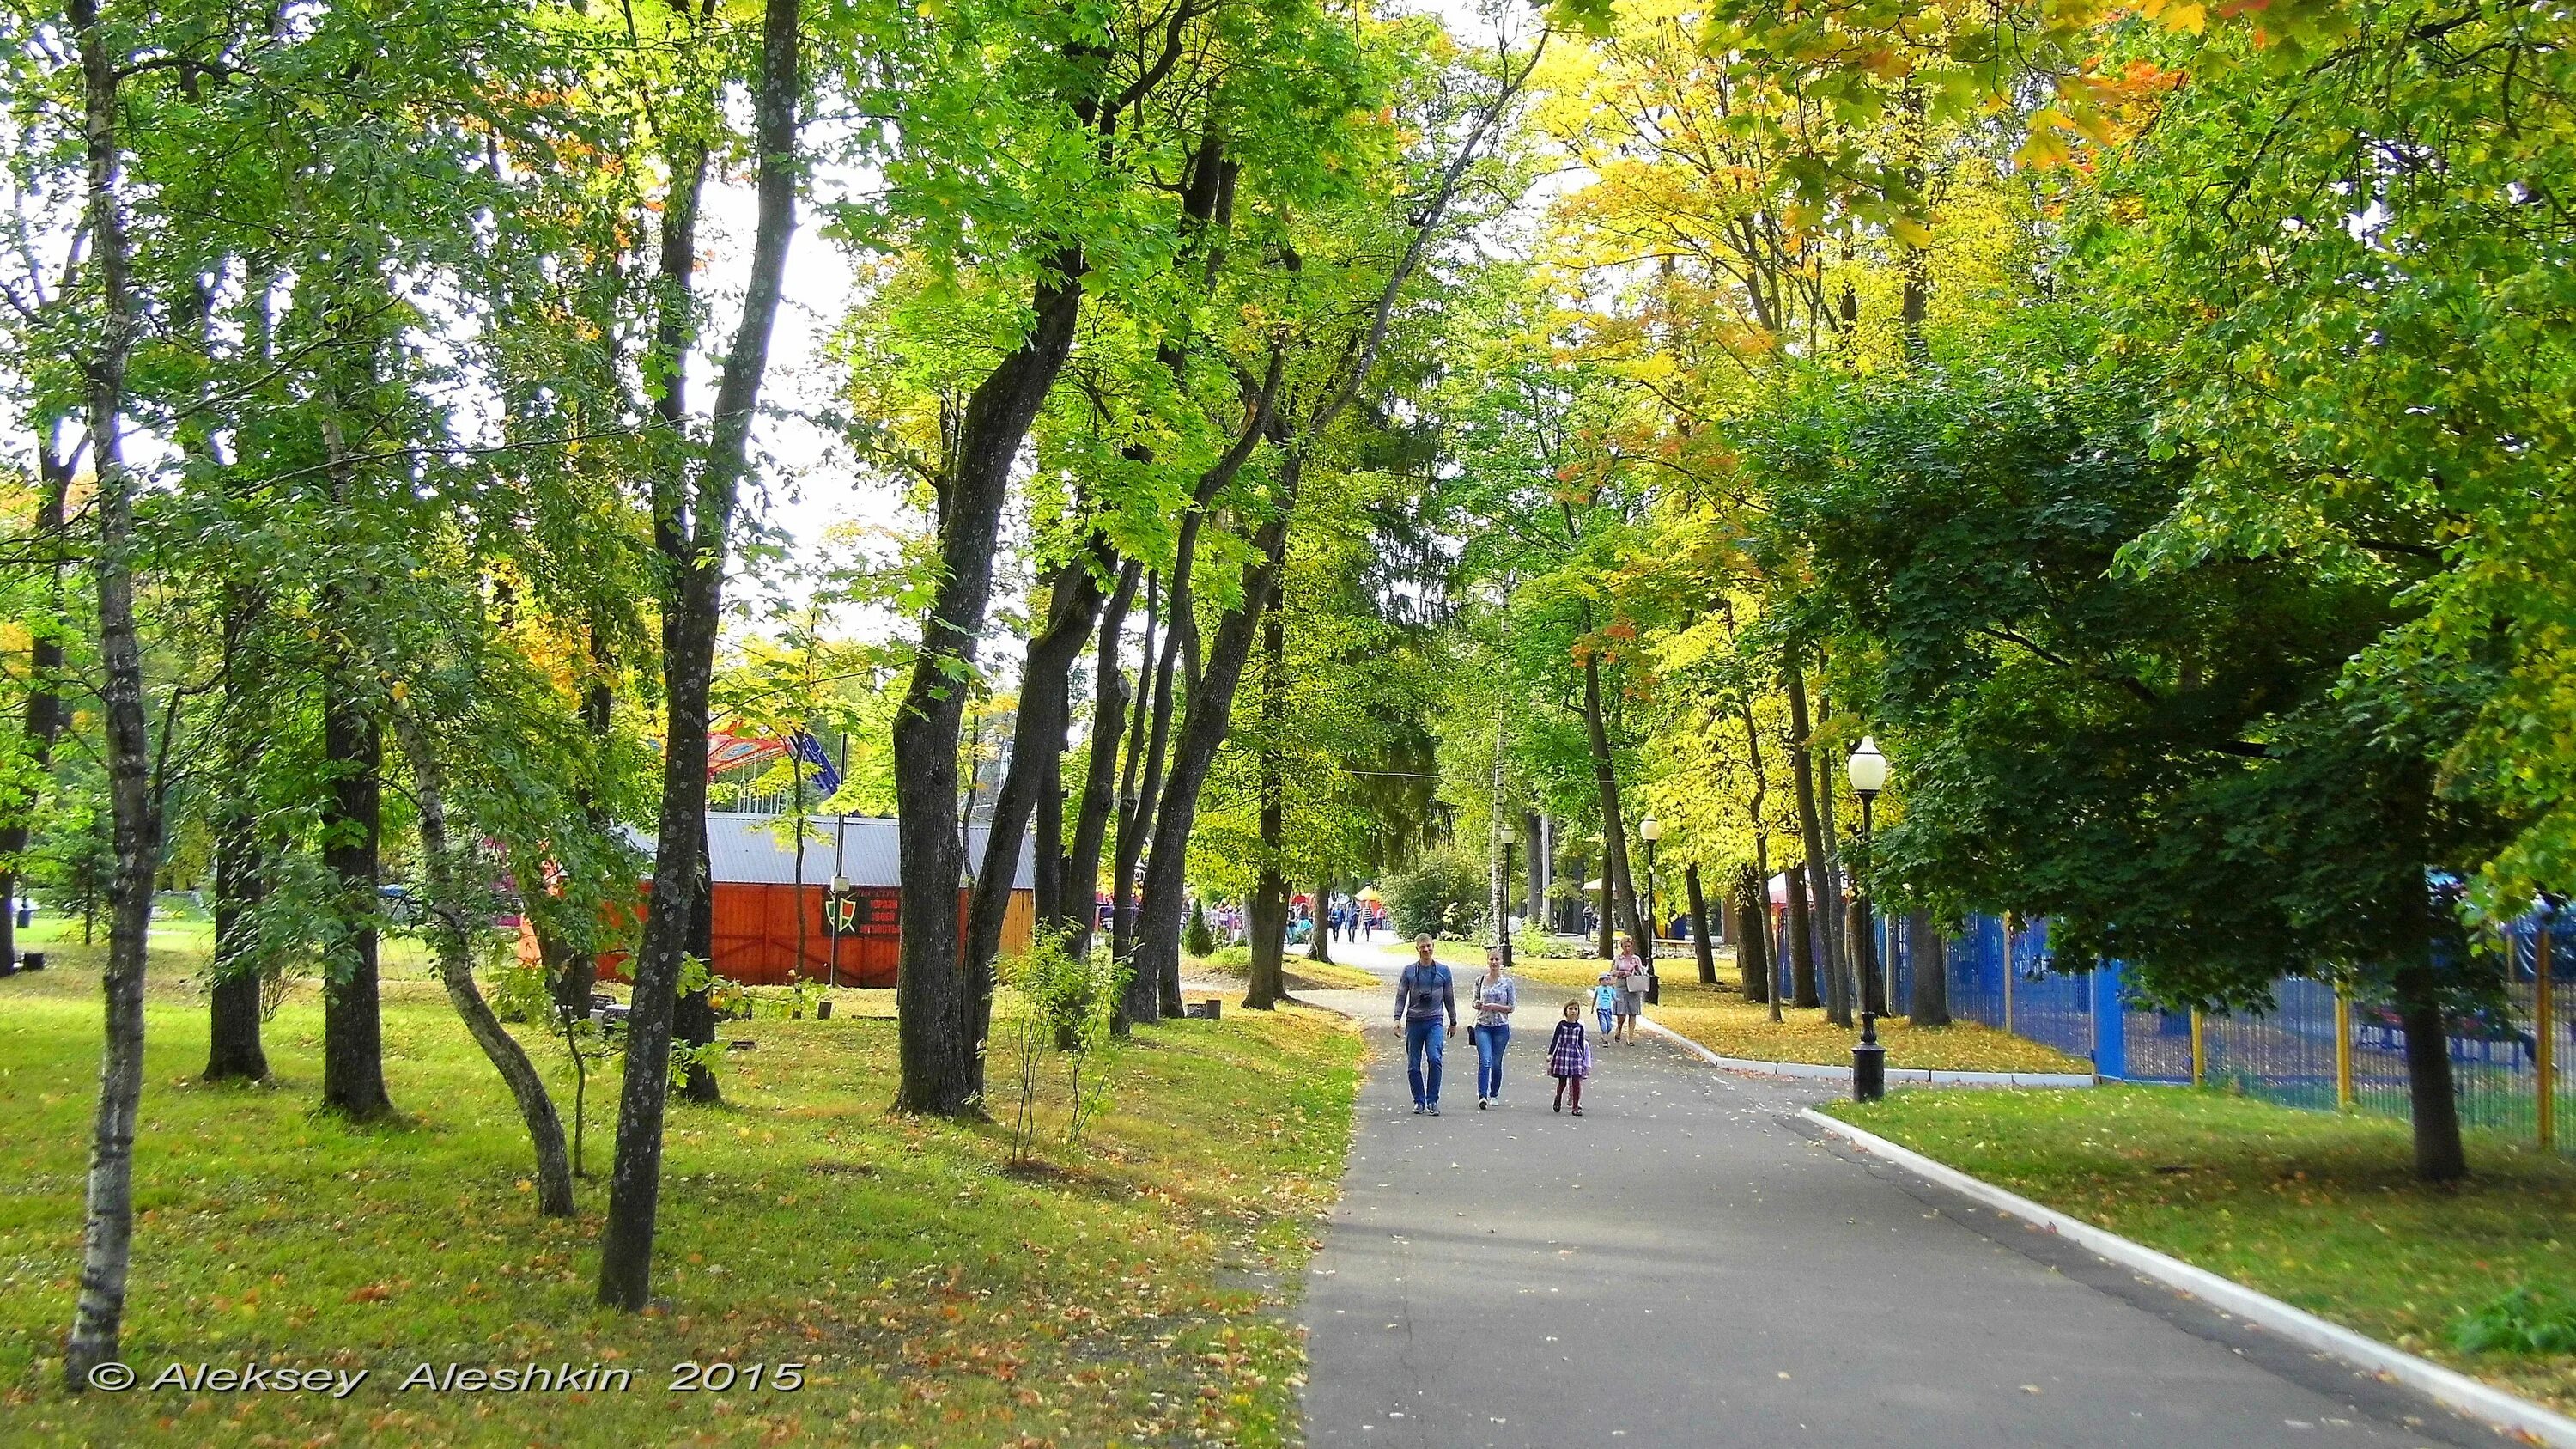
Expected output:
(1867, 769)
(1651, 830)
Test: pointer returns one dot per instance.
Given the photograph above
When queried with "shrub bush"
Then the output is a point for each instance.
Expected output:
(2522, 1321)
(1196, 938)
(1059, 1001)
(1444, 895)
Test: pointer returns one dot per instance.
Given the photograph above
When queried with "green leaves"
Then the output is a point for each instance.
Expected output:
(2365, 324)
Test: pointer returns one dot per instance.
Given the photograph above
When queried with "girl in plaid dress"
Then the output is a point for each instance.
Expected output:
(1569, 1057)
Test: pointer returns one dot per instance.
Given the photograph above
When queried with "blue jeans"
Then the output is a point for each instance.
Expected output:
(1604, 1014)
(1423, 1039)
(1490, 1041)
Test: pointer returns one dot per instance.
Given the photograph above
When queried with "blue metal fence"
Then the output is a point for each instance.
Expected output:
(2287, 1054)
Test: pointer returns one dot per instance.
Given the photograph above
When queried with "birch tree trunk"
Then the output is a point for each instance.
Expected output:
(98, 1314)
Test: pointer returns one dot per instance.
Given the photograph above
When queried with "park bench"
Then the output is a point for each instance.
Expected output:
(607, 1013)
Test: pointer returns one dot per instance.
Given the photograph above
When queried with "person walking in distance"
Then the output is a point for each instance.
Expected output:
(1629, 974)
(1605, 1002)
(1569, 1057)
(1495, 999)
(1422, 998)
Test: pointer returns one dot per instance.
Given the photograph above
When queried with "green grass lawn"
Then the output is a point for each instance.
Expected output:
(1720, 1019)
(2318, 1209)
(1130, 1293)
(1233, 963)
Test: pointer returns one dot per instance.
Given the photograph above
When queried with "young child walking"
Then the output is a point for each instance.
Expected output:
(1605, 1000)
(1569, 1057)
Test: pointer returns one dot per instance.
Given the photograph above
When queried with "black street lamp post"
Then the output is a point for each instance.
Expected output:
(1868, 771)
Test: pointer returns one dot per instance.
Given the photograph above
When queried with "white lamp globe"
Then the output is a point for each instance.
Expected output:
(1867, 768)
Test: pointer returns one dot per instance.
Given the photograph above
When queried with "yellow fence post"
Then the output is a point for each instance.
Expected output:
(2199, 1054)
(2343, 1049)
(2544, 1020)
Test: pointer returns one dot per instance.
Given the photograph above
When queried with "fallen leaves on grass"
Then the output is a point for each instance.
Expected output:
(1718, 1018)
(2319, 1209)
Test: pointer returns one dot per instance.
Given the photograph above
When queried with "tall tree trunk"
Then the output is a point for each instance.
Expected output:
(98, 1313)
(1046, 896)
(1158, 992)
(233, 998)
(1758, 922)
(1100, 773)
(1144, 997)
(1622, 890)
(936, 1030)
(1037, 742)
(1753, 967)
(451, 915)
(692, 531)
(1265, 922)
(1818, 867)
(1704, 948)
(2431, 1095)
(1269, 906)
(1802, 947)
(353, 1047)
(233, 1051)
(942, 984)
(1928, 988)
(1158, 931)
(1131, 806)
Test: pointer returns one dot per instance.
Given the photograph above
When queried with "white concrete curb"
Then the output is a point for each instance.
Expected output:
(2454, 1390)
(1918, 1076)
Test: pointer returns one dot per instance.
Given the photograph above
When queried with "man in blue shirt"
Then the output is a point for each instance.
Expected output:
(1422, 997)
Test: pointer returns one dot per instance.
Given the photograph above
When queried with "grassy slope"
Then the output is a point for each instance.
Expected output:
(934, 1297)
(1230, 963)
(1719, 1019)
(2317, 1209)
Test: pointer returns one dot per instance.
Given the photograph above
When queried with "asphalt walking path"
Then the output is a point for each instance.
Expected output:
(1688, 1264)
